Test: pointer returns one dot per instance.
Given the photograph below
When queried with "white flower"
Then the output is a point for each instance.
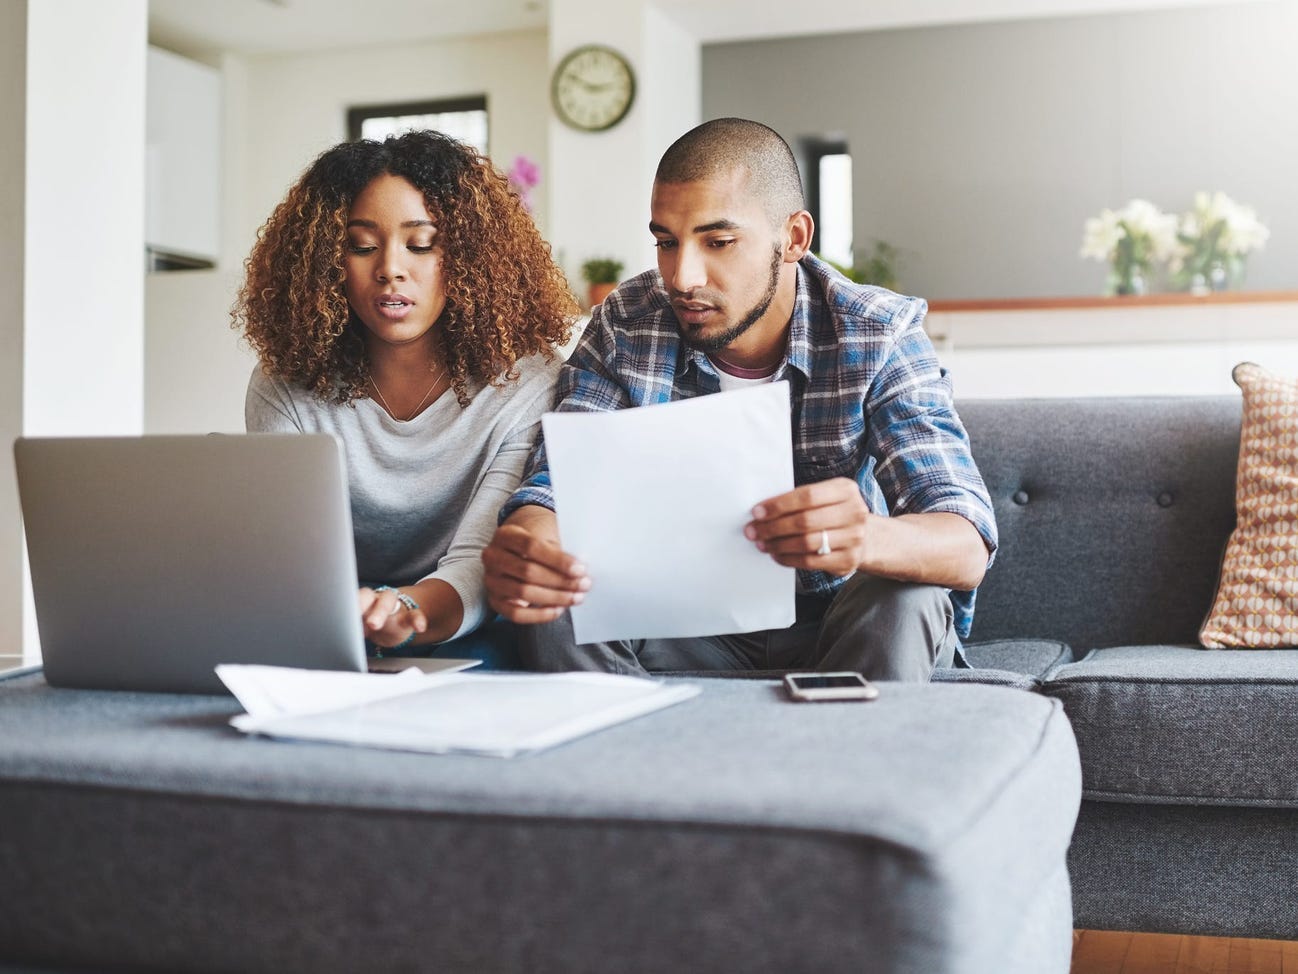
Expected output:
(1148, 227)
(1244, 232)
(1238, 229)
(1100, 235)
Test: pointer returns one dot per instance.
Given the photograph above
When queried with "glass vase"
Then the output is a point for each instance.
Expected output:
(1128, 280)
(1218, 278)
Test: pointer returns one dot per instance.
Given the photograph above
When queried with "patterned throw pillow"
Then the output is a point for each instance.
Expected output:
(1257, 595)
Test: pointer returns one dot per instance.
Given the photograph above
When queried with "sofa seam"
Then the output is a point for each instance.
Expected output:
(1175, 681)
(1186, 801)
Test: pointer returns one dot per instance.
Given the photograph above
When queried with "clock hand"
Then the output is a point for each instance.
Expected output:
(591, 85)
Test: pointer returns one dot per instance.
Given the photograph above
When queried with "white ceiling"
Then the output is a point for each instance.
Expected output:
(199, 28)
(274, 26)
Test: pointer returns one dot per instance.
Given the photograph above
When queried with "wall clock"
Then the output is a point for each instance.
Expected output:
(592, 88)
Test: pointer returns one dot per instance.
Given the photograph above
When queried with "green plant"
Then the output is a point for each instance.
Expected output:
(602, 270)
(879, 266)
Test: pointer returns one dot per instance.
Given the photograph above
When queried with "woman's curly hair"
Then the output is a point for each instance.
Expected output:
(505, 297)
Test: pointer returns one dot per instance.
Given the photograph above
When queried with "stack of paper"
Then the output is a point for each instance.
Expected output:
(475, 713)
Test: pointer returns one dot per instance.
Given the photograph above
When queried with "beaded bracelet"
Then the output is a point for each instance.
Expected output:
(402, 597)
(410, 604)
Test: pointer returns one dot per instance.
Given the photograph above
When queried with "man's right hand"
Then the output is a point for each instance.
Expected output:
(529, 577)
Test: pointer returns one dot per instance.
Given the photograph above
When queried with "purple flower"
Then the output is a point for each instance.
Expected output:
(523, 175)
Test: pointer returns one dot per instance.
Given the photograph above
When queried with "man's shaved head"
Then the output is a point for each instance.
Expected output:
(725, 144)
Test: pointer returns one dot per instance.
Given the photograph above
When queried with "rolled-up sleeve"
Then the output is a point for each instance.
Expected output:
(923, 462)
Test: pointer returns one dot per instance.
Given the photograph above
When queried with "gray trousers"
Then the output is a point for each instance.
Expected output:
(884, 629)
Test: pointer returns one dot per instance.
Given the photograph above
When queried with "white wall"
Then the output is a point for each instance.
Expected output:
(600, 202)
(13, 192)
(196, 367)
(84, 294)
(1183, 349)
(980, 150)
(72, 162)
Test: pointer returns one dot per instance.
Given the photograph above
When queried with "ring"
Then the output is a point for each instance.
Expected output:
(824, 548)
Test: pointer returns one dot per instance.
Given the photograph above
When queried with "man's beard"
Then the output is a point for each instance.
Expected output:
(718, 342)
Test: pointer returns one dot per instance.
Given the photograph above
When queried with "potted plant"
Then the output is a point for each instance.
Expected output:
(878, 268)
(602, 275)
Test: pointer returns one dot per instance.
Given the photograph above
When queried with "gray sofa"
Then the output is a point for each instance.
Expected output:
(1113, 517)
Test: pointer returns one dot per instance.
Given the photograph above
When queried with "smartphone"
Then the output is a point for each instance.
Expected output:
(813, 687)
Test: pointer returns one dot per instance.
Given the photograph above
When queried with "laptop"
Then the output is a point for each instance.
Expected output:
(155, 558)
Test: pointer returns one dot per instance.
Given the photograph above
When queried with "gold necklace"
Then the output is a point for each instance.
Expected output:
(384, 402)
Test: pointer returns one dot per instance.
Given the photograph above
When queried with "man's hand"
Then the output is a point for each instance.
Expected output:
(827, 527)
(821, 527)
(529, 577)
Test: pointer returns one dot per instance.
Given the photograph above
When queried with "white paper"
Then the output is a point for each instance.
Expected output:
(489, 714)
(269, 691)
(654, 500)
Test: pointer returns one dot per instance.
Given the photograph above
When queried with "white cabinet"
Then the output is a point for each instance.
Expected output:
(183, 201)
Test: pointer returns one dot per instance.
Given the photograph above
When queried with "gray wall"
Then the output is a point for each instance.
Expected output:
(981, 150)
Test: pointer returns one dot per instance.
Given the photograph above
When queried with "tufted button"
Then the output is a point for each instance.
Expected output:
(1020, 497)
(1165, 499)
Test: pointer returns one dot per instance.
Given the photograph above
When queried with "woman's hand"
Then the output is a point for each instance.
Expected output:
(388, 621)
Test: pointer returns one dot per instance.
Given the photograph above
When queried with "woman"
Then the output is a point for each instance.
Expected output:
(401, 298)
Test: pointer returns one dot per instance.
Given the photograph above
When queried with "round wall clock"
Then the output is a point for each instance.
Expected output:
(592, 88)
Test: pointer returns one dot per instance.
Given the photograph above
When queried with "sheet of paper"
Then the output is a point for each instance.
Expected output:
(270, 691)
(489, 714)
(654, 501)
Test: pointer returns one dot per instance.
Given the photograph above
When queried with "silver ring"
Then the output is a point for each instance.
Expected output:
(824, 548)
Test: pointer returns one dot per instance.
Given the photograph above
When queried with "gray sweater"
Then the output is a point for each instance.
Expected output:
(424, 493)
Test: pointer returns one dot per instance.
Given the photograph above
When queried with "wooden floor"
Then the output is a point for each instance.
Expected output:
(1106, 952)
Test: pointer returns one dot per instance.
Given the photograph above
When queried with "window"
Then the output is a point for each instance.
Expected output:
(829, 198)
(460, 118)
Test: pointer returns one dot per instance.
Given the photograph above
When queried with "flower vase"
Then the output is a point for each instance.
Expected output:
(1218, 278)
(1128, 280)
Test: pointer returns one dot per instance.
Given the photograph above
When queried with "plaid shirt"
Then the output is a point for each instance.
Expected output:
(869, 400)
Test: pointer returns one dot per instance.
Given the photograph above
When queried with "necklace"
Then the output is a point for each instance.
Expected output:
(384, 402)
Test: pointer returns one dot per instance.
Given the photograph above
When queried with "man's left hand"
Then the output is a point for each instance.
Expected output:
(821, 527)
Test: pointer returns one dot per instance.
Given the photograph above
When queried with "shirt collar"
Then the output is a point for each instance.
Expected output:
(804, 307)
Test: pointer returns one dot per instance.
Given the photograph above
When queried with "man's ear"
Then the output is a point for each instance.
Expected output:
(798, 230)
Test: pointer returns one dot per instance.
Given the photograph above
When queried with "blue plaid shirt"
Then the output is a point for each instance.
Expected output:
(869, 399)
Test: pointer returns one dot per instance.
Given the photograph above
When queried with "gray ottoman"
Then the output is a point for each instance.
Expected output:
(924, 832)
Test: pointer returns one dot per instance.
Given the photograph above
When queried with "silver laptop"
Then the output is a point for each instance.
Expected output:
(155, 558)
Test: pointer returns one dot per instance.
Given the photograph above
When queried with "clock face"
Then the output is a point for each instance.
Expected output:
(593, 88)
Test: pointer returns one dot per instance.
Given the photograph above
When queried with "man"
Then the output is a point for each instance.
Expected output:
(890, 526)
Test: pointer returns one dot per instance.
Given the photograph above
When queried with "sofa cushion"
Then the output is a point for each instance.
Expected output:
(1113, 514)
(1181, 724)
(1035, 657)
(1256, 604)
